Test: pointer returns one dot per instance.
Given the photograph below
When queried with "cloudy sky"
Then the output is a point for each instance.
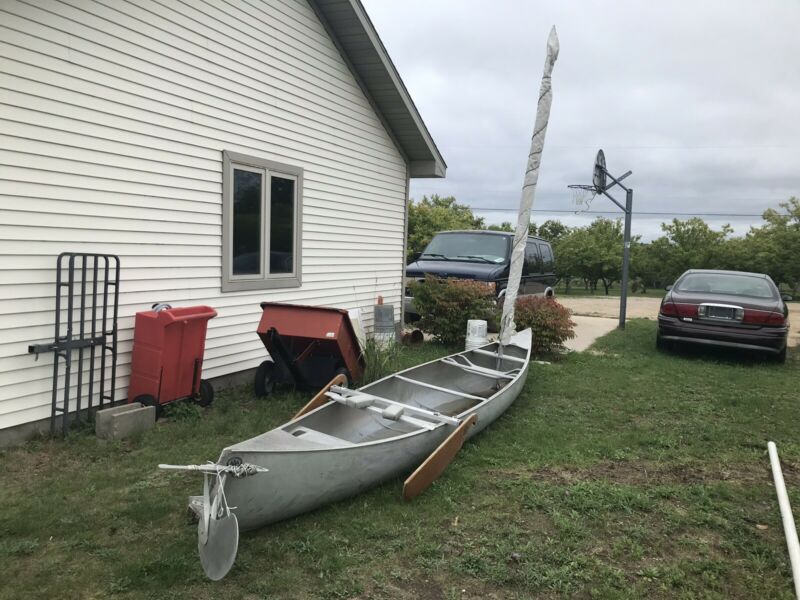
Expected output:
(701, 100)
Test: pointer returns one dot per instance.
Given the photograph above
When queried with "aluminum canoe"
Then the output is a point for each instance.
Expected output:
(356, 440)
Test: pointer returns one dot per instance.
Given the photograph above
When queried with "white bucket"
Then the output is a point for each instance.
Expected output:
(476, 334)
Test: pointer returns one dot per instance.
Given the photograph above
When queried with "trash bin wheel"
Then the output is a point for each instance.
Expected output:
(206, 395)
(265, 379)
(149, 400)
(346, 373)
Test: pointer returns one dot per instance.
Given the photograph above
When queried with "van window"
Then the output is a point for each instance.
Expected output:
(532, 258)
(470, 247)
(547, 258)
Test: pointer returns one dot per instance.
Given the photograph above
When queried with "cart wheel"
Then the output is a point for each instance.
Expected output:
(346, 373)
(148, 400)
(265, 378)
(206, 396)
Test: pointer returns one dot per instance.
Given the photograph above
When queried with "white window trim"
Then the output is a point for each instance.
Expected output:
(264, 280)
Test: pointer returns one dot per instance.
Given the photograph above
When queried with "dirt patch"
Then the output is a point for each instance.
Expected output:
(640, 473)
(647, 308)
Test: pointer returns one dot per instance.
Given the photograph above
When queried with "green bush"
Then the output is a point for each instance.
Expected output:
(445, 306)
(550, 322)
(381, 360)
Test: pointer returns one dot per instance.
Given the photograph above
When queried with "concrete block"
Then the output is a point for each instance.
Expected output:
(122, 421)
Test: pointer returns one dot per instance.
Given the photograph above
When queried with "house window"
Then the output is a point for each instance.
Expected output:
(261, 224)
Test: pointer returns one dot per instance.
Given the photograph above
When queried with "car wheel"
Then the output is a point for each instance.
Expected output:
(206, 395)
(150, 400)
(265, 379)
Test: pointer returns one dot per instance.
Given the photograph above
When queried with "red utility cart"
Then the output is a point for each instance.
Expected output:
(308, 346)
(167, 361)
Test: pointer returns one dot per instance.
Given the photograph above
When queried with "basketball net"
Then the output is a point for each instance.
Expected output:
(582, 198)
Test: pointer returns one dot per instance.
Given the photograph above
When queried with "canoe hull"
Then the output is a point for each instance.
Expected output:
(304, 479)
(299, 482)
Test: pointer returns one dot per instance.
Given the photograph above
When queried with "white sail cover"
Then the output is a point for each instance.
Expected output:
(507, 326)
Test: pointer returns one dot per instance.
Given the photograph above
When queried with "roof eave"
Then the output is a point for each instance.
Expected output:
(349, 26)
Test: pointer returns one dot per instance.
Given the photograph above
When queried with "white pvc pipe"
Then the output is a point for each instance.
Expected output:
(786, 515)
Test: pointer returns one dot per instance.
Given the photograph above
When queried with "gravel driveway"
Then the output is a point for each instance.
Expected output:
(647, 308)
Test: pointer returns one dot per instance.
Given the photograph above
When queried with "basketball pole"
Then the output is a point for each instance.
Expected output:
(626, 258)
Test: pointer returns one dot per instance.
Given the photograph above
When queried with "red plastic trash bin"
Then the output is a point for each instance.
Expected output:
(167, 361)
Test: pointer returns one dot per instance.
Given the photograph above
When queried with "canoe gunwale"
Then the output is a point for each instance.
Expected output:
(522, 341)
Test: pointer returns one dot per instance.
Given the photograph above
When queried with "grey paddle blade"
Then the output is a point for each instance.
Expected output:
(219, 551)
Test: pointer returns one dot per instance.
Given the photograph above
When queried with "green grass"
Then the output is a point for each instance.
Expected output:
(577, 290)
(618, 473)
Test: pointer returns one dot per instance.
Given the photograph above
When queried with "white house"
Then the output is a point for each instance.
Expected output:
(129, 128)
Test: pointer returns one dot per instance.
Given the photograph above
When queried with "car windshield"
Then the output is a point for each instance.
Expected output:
(726, 283)
(476, 247)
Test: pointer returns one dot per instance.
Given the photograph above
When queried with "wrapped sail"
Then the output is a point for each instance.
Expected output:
(507, 326)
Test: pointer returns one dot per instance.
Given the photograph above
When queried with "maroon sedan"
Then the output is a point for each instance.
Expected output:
(725, 308)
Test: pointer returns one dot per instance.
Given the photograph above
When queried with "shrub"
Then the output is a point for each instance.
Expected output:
(549, 320)
(445, 306)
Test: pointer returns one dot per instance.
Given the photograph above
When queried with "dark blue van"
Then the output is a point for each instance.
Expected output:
(482, 256)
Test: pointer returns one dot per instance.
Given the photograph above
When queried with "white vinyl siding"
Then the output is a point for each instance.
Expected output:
(113, 120)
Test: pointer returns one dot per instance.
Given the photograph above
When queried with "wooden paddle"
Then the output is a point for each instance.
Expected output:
(321, 398)
(437, 462)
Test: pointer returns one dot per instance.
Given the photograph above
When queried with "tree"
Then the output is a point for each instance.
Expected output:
(694, 245)
(432, 215)
(773, 247)
(593, 253)
(606, 262)
(651, 264)
(504, 226)
(551, 230)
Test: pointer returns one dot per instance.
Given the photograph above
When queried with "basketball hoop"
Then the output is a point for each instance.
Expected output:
(582, 196)
(602, 183)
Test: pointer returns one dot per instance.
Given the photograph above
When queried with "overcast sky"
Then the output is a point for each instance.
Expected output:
(701, 100)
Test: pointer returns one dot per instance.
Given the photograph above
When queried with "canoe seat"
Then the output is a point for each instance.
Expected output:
(393, 412)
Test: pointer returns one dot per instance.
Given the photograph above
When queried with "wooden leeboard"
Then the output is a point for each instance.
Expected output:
(321, 398)
(437, 462)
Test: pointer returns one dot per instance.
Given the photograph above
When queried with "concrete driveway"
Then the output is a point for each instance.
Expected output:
(607, 308)
(587, 330)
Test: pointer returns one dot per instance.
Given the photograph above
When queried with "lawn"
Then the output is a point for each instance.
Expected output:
(618, 473)
(577, 290)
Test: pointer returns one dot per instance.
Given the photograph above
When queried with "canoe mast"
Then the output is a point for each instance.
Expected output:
(507, 326)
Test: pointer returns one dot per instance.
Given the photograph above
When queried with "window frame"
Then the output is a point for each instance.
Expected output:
(264, 280)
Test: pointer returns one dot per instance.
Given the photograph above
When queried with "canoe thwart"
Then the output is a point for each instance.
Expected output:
(346, 396)
(430, 470)
(439, 388)
(470, 367)
(495, 355)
